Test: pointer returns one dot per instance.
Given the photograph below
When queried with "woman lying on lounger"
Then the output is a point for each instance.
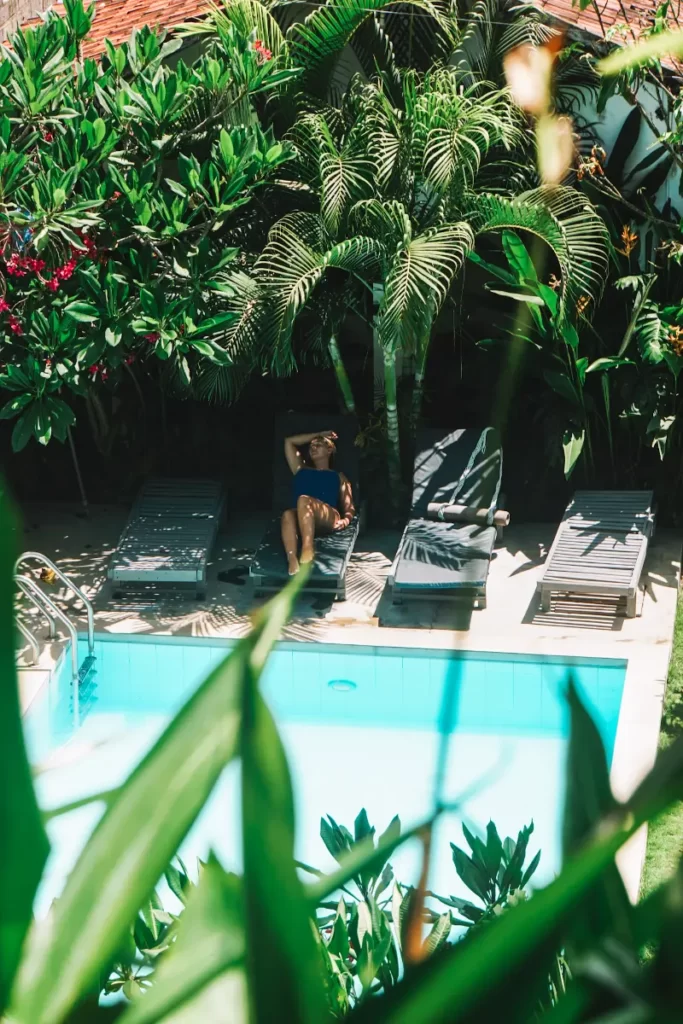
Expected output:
(321, 498)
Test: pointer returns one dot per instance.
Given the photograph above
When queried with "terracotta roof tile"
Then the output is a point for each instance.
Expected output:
(622, 19)
(115, 19)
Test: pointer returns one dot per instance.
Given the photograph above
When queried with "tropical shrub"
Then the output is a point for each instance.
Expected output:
(126, 194)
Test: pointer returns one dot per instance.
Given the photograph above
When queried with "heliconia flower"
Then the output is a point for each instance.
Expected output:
(262, 52)
(14, 325)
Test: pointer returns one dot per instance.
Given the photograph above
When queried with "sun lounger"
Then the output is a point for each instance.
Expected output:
(332, 552)
(600, 547)
(447, 544)
(169, 535)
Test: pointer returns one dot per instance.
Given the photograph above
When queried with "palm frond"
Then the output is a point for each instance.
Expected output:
(294, 261)
(248, 16)
(385, 218)
(244, 340)
(456, 131)
(418, 282)
(316, 43)
(566, 221)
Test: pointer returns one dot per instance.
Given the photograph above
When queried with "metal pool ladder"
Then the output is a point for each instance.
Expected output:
(45, 604)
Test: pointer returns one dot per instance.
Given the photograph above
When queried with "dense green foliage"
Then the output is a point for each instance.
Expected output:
(125, 187)
(201, 222)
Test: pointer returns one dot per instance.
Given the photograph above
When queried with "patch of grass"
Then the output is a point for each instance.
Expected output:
(665, 836)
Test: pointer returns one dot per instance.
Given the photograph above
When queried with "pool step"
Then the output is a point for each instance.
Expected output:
(87, 684)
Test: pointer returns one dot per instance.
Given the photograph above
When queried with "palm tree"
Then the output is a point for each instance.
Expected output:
(411, 225)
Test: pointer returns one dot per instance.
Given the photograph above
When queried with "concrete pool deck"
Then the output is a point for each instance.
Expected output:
(511, 623)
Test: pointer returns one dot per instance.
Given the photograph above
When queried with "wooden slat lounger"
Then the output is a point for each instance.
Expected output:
(600, 547)
(169, 534)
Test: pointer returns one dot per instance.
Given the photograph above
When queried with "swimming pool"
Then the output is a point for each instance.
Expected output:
(362, 728)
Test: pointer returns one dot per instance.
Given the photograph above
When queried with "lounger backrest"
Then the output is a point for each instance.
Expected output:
(463, 466)
(346, 460)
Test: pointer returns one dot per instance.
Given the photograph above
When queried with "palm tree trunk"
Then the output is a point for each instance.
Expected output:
(341, 374)
(393, 436)
(418, 385)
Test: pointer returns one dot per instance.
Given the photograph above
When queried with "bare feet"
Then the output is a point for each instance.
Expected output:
(307, 555)
(292, 565)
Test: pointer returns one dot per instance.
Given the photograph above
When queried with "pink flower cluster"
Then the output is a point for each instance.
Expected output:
(263, 54)
(18, 266)
(12, 322)
(62, 273)
(98, 368)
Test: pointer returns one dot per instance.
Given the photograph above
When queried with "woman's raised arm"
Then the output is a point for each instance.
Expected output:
(292, 453)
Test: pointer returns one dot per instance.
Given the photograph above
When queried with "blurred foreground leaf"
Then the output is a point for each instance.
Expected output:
(662, 44)
(23, 843)
(284, 965)
(141, 830)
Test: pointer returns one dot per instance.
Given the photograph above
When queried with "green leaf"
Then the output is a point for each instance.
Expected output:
(227, 148)
(24, 427)
(14, 406)
(572, 445)
(209, 944)
(561, 383)
(24, 846)
(438, 935)
(99, 131)
(210, 324)
(532, 300)
(140, 832)
(518, 257)
(205, 348)
(84, 312)
(588, 801)
(285, 981)
(608, 364)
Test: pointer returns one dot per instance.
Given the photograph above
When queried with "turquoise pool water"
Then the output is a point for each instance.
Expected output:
(362, 728)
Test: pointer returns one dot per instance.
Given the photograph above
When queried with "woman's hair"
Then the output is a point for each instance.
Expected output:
(331, 447)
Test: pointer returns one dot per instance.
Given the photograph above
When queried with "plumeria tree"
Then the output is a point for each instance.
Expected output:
(126, 189)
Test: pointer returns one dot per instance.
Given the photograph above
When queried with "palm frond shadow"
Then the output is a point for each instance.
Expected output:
(446, 544)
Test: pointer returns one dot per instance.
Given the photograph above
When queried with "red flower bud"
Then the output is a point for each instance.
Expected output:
(151, 338)
(52, 284)
(14, 325)
(4, 305)
(48, 136)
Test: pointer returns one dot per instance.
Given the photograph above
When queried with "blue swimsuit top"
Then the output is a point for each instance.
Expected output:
(322, 484)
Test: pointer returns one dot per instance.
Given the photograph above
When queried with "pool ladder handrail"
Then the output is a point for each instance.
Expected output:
(30, 640)
(36, 556)
(50, 610)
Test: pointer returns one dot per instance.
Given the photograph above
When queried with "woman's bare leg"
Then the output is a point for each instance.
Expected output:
(290, 539)
(313, 516)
